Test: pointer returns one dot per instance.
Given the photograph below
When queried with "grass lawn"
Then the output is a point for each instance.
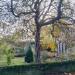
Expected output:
(15, 61)
(20, 61)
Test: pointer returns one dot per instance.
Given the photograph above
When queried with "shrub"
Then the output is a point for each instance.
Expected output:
(8, 60)
(29, 55)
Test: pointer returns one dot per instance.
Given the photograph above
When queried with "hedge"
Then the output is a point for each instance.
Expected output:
(38, 69)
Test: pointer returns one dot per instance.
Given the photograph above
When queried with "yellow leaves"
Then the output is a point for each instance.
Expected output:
(16, 36)
(52, 45)
(47, 41)
(56, 31)
(63, 22)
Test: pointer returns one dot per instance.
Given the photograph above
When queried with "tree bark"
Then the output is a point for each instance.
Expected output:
(37, 44)
(37, 33)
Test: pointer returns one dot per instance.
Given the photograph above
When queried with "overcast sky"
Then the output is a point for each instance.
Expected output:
(72, 0)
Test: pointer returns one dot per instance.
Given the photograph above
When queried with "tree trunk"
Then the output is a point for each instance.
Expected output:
(37, 44)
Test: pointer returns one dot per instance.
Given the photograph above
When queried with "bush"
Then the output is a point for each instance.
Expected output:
(8, 60)
(29, 55)
(9, 56)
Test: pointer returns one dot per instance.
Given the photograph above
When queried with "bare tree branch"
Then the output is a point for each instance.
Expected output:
(59, 14)
(17, 15)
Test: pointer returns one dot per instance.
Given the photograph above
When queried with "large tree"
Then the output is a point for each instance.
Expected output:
(41, 13)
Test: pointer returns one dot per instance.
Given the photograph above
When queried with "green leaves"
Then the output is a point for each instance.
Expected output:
(6, 50)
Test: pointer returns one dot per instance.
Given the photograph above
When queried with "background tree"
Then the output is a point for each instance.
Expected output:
(41, 13)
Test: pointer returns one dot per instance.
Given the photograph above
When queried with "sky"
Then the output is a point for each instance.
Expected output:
(73, 1)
